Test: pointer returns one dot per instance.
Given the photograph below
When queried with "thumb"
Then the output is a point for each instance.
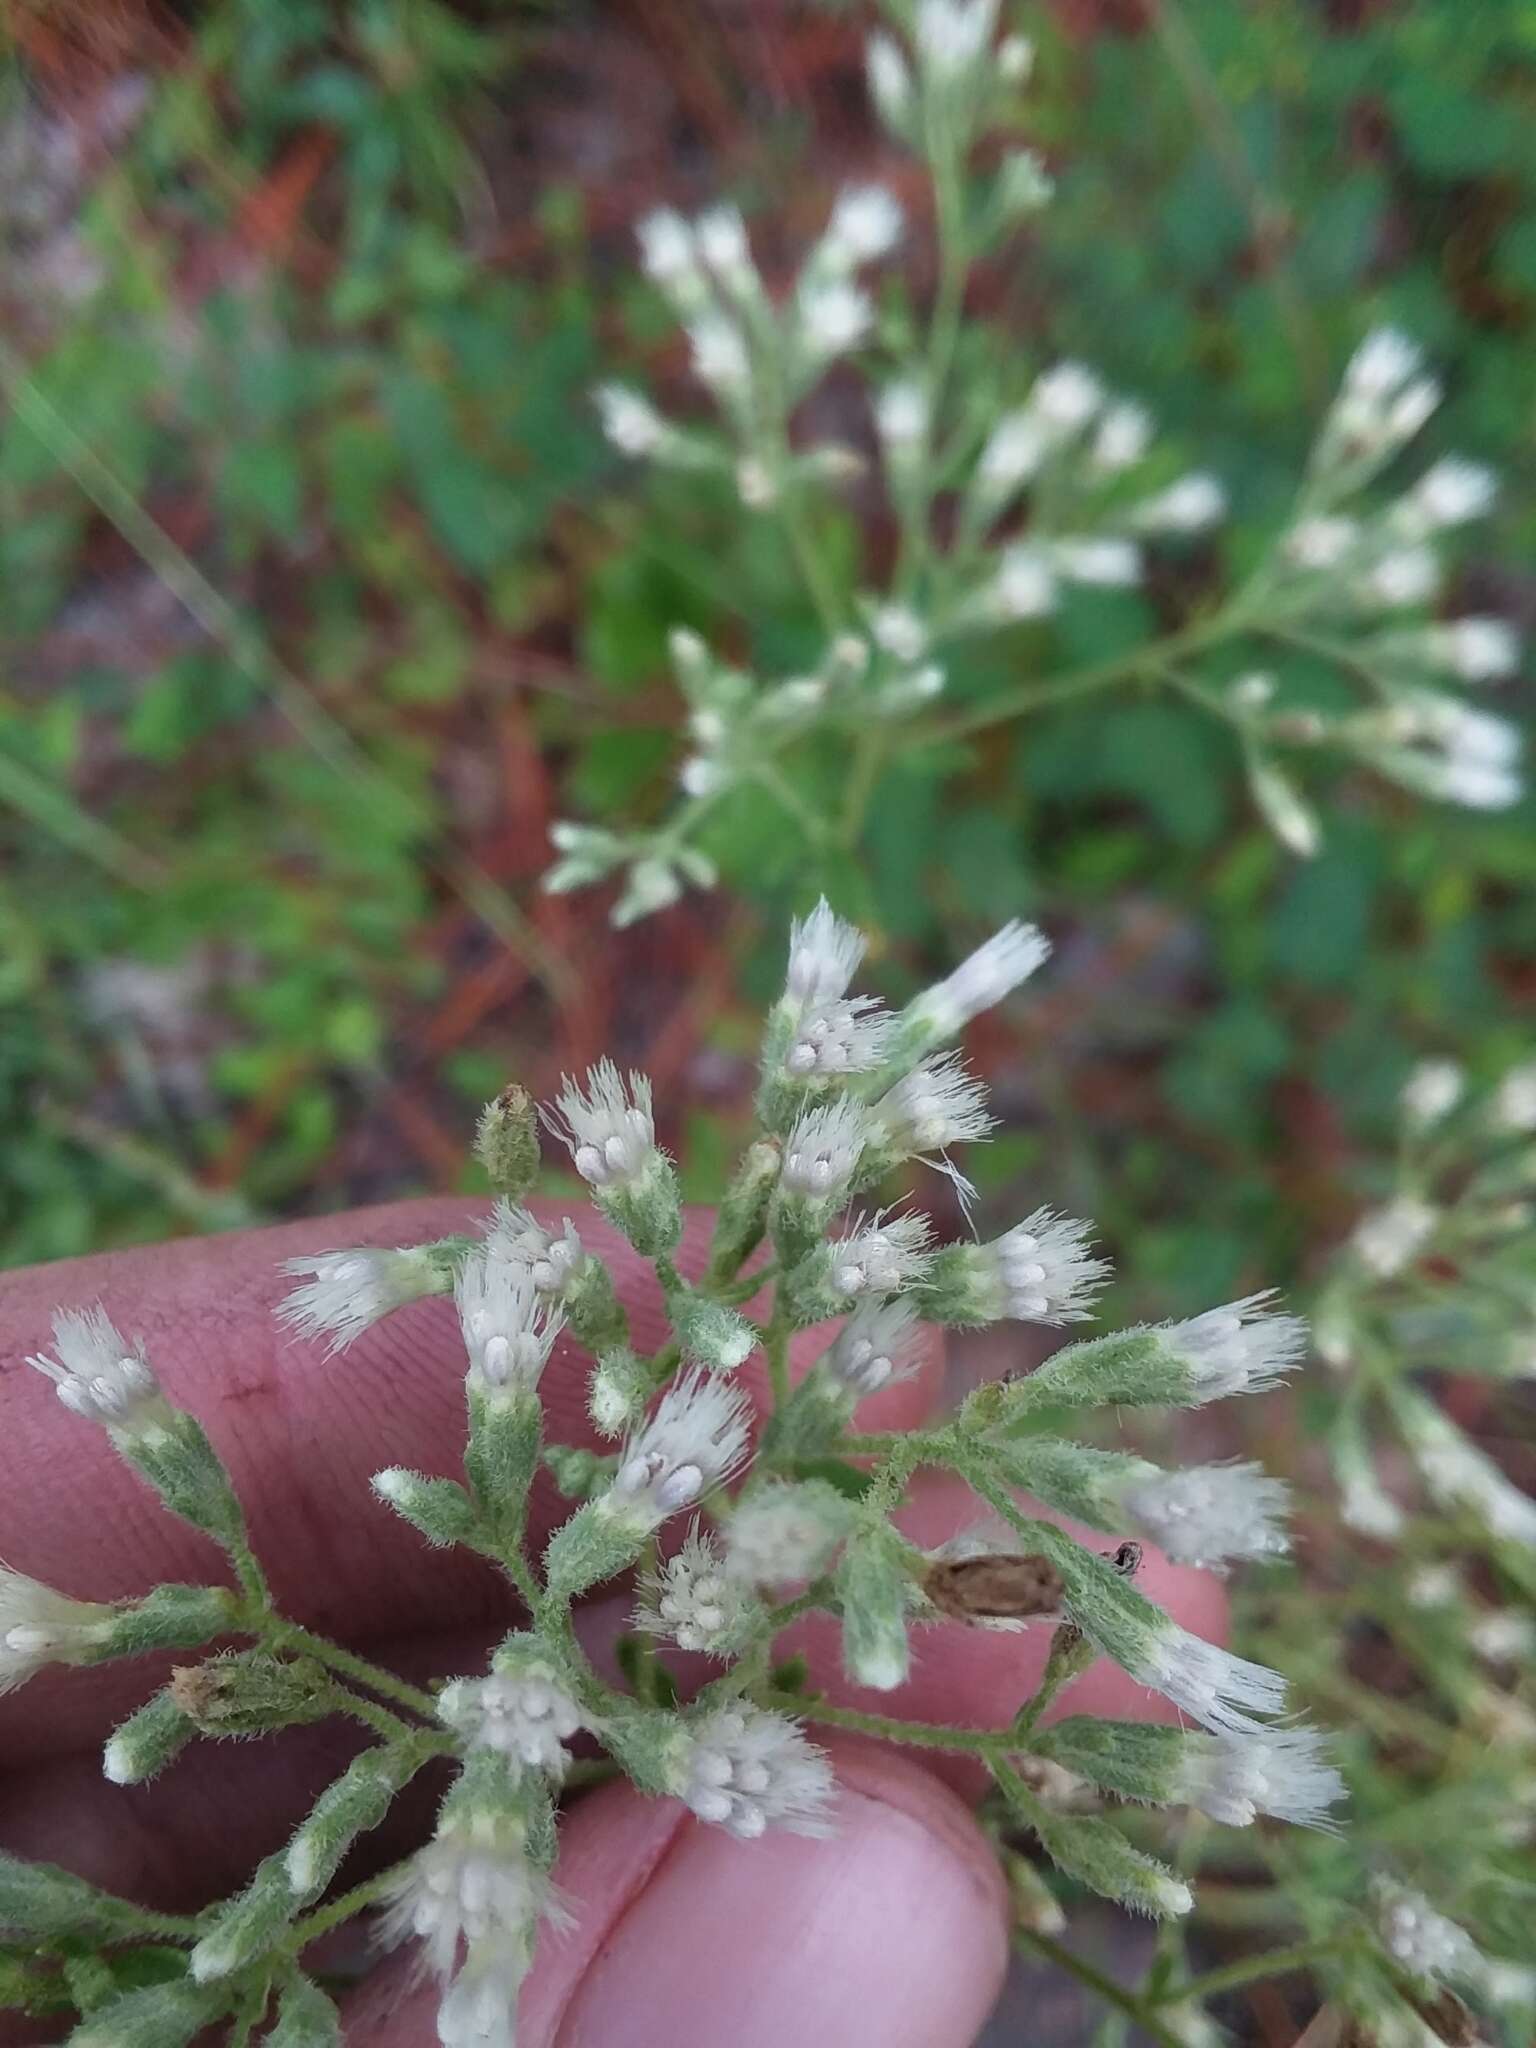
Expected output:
(892, 1930)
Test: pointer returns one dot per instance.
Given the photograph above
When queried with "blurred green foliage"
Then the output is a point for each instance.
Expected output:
(232, 840)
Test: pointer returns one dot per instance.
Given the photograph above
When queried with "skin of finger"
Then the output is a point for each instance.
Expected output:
(302, 1435)
(892, 1929)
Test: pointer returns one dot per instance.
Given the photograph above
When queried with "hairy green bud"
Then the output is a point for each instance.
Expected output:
(147, 1741)
(439, 1508)
(507, 1142)
(306, 2018)
(874, 1591)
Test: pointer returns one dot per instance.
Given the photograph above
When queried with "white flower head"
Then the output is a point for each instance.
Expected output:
(720, 357)
(1025, 584)
(1190, 505)
(888, 79)
(1451, 750)
(1243, 1348)
(785, 1531)
(348, 1292)
(1502, 1636)
(1383, 363)
(1476, 649)
(1045, 1271)
(1321, 542)
(1366, 1507)
(552, 1258)
(1459, 1475)
(982, 979)
(508, 1332)
(1427, 1945)
(1281, 1771)
(834, 316)
(1066, 397)
(1389, 1239)
(898, 631)
(607, 1126)
(874, 1347)
(882, 1257)
(1449, 494)
(630, 421)
(721, 239)
(1436, 1585)
(1209, 1514)
(848, 1037)
(1514, 1100)
(1123, 437)
(939, 1104)
(692, 1600)
(747, 1770)
(695, 1441)
(952, 35)
(1013, 454)
(866, 224)
(1432, 1091)
(901, 415)
(473, 1889)
(1404, 576)
(668, 253)
(99, 1375)
(1220, 1691)
(824, 1148)
(39, 1626)
(523, 1713)
(823, 955)
(1107, 561)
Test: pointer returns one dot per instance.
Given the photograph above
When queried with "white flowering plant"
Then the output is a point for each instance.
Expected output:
(1012, 497)
(730, 1530)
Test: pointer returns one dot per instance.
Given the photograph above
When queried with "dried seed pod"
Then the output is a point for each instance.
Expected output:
(1007, 1587)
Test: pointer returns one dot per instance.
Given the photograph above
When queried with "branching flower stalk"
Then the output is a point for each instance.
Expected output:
(1008, 500)
(737, 1522)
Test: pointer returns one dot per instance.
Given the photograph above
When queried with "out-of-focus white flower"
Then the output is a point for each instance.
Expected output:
(1066, 396)
(1436, 1585)
(720, 357)
(695, 1441)
(1190, 505)
(721, 238)
(834, 317)
(1108, 561)
(1012, 454)
(1502, 1636)
(1321, 542)
(1025, 585)
(1292, 820)
(953, 35)
(1432, 1091)
(1424, 1942)
(99, 1375)
(888, 79)
(631, 422)
(1459, 1475)
(1449, 494)
(1478, 650)
(1015, 59)
(898, 631)
(747, 1770)
(1388, 1239)
(668, 253)
(1514, 1100)
(1280, 1771)
(1405, 576)
(1384, 400)
(866, 224)
(1123, 437)
(901, 415)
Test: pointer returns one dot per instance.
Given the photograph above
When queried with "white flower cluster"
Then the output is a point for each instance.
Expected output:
(522, 1712)
(746, 1770)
